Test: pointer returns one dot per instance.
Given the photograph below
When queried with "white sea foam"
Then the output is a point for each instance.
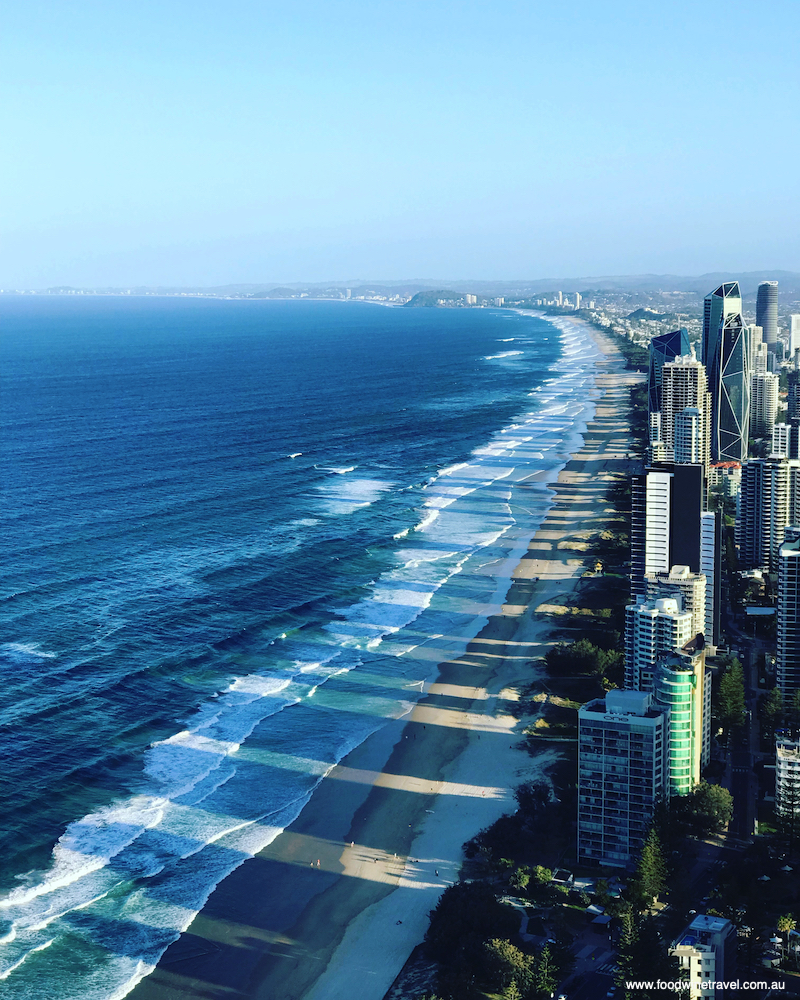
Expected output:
(346, 496)
(295, 454)
(28, 649)
(503, 354)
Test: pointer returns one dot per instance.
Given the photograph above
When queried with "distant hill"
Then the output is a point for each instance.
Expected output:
(433, 298)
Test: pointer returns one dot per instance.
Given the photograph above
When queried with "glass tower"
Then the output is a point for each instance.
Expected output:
(731, 392)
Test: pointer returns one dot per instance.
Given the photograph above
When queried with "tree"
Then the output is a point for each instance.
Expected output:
(793, 714)
(520, 878)
(771, 712)
(506, 964)
(545, 973)
(731, 711)
(651, 871)
(532, 797)
(467, 915)
(786, 923)
(708, 809)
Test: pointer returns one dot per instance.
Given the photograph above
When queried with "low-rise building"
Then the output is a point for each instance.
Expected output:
(706, 950)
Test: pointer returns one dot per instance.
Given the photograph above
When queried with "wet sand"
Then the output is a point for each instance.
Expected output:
(333, 907)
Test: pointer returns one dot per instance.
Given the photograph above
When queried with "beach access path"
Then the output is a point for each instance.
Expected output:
(333, 907)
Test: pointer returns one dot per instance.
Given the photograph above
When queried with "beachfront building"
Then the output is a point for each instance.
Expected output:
(767, 312)
(686, 411)
(622, 743)
(667, 502)
(763, 403)
(788, 655)
(706, 953)
(653, 628)
(769, 501)
(684, 586)
(682, 690)
(663, 349)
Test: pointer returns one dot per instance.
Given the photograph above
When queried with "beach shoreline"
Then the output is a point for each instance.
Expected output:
(335, 905)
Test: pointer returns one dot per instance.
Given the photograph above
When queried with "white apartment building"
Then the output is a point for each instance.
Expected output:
(684, 387)
(687, 588)
(794, 334)
(652, 629)
(622, 771)
(787, 776)
(764, 388)
(706, 950)
(782, 440)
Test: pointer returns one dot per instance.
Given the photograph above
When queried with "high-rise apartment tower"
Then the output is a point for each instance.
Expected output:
(767, 312)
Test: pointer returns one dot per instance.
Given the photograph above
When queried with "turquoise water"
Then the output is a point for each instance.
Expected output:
(227, 527)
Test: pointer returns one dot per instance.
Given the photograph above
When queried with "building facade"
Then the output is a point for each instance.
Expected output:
(687, 588)
(767, 312)
(769, 501)
(667, 502)
(686, 411)
(652, 629)
(679, 691)
(622, 743)
(788, 638)
(763, 403)
(731, 394)
(706, 953)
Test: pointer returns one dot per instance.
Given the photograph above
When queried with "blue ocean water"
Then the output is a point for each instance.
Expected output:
(228, 525)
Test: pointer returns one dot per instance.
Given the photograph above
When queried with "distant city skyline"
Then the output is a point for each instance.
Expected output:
(169, 144)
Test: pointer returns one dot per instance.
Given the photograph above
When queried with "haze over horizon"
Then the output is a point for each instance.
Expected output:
(168, 145)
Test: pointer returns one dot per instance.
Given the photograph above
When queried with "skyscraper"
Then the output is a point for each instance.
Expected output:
(788, 662)
(684, 386)
(768, 503)
(688, 589)
(679, 690)
(711, 568)
(767, 312)
(794, 334)
(731, 394)
(763, 403)
(653, 629)
(664, 348)
(720, 305)
(667, 502)
(622, 773)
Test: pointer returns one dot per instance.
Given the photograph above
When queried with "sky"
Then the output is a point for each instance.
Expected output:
(198, 143)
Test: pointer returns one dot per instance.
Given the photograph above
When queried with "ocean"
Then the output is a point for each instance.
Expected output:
(226, 524)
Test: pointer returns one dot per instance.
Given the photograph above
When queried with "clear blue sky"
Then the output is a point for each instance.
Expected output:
(197, 142)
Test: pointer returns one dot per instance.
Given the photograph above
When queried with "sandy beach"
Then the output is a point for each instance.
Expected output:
(333, 907)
